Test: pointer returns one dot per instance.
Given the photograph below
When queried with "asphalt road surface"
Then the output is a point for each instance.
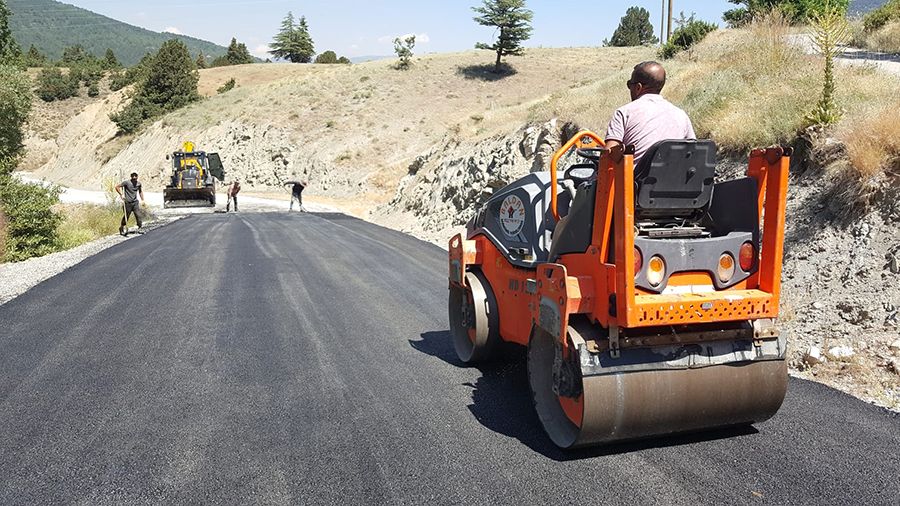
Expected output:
(305, 359)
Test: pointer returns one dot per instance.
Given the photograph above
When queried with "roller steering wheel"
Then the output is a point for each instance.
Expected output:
(592, 154)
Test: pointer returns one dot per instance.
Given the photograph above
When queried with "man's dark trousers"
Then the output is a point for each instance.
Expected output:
(132, 207)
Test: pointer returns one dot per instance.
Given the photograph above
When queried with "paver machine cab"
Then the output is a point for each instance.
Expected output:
(646, 296)
(193, 181)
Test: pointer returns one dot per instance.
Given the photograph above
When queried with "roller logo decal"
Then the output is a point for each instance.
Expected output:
(512, 216)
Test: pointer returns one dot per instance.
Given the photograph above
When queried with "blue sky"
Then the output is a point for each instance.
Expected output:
(357, 27)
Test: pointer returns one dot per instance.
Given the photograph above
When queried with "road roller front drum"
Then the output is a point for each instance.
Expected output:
(474, 319)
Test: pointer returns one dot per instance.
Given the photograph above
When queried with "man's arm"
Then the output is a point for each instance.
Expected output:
(119, 190)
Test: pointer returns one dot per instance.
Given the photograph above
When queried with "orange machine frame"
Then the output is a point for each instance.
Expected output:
(584, 283)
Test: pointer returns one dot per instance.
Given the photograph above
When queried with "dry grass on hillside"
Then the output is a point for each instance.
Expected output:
(374, 115)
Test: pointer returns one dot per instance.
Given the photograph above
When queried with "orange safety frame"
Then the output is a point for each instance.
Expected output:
(584, 283)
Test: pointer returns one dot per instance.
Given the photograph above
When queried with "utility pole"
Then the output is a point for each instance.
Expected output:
(669, 25)
(662, 22)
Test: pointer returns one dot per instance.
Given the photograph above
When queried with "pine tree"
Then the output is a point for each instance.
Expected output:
(35, 58)
(201, 60)
(10, 52)
(634, 29)
(110, 60)
(293, 43)
(237, 53)
(512, 19)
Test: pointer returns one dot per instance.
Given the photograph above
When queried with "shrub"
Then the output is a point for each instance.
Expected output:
(53, 85)
(228, 86)
(327, 57)
(688, 33)
(31, 221)
(93, 90)
(879, 17)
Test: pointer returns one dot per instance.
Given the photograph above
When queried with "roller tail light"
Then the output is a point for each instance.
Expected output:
(747, 256)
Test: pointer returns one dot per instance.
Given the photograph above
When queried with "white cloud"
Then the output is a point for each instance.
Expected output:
(174, 30)
(261, 51)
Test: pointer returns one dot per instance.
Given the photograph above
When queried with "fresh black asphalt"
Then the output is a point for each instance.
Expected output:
(305, 359)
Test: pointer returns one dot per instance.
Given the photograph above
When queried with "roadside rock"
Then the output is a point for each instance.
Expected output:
(813, 356)
(841, 352)
(895, 346)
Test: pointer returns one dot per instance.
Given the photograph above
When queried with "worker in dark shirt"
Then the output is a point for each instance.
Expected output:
(132, 188)
(296, 191)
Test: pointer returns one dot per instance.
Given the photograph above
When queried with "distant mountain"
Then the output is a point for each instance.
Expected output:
(862, 6)
(361, 59)
(52, 26)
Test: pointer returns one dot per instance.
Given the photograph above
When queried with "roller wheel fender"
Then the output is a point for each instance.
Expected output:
(474, 319)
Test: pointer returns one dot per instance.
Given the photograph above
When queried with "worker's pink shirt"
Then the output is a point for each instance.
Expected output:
(647, 120)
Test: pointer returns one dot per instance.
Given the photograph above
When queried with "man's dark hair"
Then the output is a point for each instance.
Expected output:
(134, 174)
(651, 74)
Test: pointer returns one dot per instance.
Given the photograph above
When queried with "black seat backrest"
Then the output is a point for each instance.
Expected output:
(675, 177)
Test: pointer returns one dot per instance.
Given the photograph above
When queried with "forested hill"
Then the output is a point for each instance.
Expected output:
(52, 26)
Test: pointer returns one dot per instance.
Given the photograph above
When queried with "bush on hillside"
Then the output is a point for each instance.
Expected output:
(327, 57)
(31, 221)
(879, 17)
(15, 104)
(228, 86)
(94, 90)
(53, 85)
(795, 11)
(688, 33)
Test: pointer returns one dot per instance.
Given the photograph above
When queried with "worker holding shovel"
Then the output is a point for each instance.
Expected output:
(296, 191)
(132, 188)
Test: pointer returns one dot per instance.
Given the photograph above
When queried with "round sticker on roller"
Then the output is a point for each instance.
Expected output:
(512, 216)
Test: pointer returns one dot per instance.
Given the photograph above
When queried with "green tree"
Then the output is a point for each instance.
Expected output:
(237, 53)
(110, 61)
(512, 19)
(171, 83)
(34, 58)
(293, 42)
(10, 52)
(634, 29)
(796, 11)
(75, 55)
(15, 104)
(404, 48)
(327, 57)
(344, 60)
(201, 61)
(689, 32)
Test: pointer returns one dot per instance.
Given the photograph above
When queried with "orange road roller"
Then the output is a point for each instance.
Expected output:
(646, 295)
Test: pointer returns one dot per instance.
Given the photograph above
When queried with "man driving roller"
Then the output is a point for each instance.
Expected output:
(649, 117)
